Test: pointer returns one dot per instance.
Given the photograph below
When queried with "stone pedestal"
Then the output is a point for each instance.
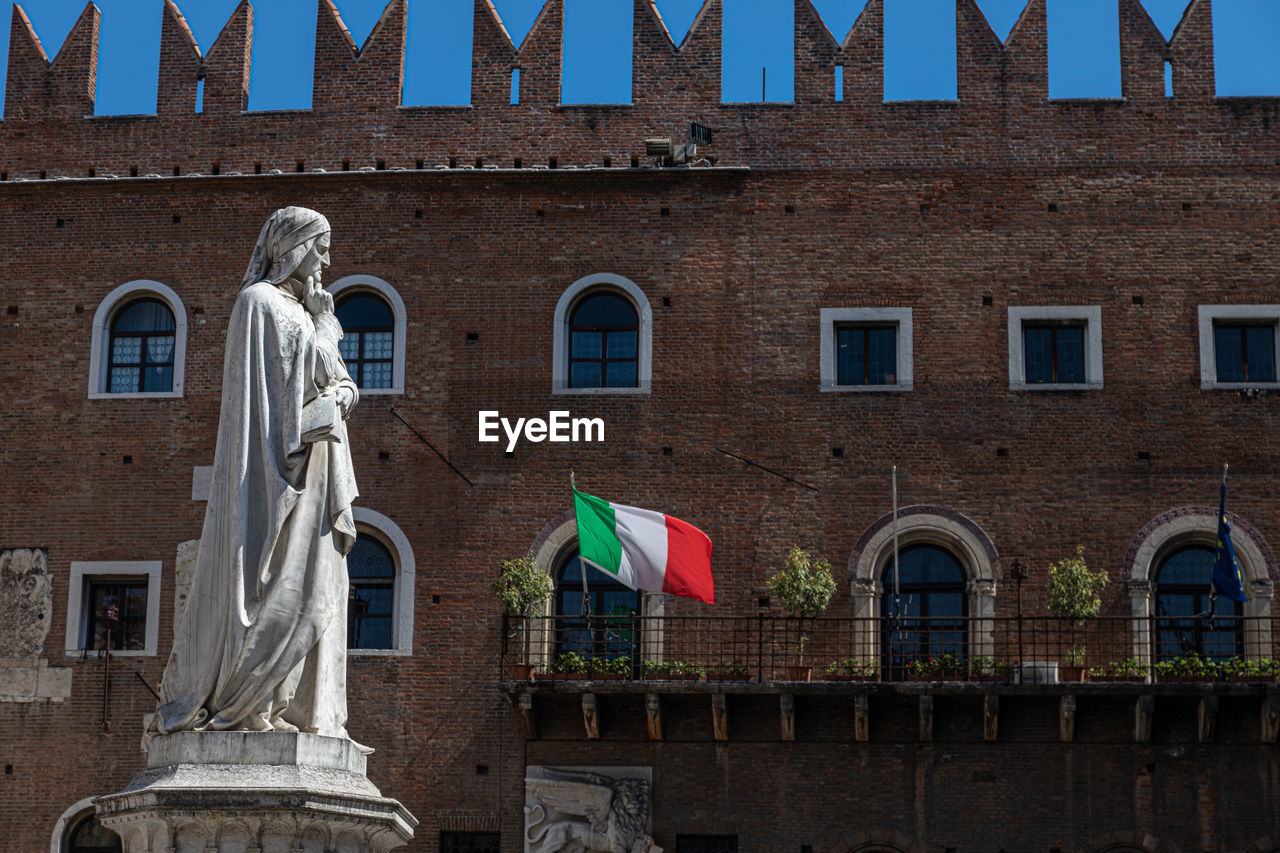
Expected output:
(254, 792)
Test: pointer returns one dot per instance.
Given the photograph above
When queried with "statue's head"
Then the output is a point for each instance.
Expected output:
(294, 240)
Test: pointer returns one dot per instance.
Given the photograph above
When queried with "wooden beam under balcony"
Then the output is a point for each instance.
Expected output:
(719, 716)
(653, 715)
(1067, 718)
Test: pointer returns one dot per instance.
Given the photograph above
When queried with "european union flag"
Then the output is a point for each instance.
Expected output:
(1227, 578)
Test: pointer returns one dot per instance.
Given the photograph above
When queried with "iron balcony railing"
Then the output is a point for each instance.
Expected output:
(764, 648)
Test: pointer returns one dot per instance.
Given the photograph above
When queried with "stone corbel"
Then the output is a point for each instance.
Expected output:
(719, 716)
(1270, 718)
(653, 714)
(990, 717)
(1206, 717)
(590, 716)
(526, 716)
(861, 719)
(1263, 588)
(926, 718)
(1067, 719)
(1143, 709)
(865, 588)
(982, 587)
(787, 711)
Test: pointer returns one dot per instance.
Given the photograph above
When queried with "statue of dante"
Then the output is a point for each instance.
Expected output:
(262, 643)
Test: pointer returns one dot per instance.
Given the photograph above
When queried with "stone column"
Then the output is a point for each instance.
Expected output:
(866, 610)
(254, 792)
(1140, 609)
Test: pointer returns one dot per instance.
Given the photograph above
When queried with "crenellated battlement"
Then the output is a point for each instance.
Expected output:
(1002, 111)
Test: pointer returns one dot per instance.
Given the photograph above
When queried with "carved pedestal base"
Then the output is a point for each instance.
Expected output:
(254, 792)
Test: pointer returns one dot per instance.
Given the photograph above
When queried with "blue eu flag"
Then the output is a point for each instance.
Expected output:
(1227, 578)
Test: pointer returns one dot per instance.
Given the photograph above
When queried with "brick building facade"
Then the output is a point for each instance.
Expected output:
(1146, 225)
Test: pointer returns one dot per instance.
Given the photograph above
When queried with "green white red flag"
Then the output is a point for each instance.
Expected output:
(644, 549)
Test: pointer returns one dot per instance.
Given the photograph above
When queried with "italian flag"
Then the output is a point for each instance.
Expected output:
(644, 549)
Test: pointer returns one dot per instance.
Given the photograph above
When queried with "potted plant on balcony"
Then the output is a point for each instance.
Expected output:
(673, 670)
(1074, 598)
(805, 588)
(729, 669)
(522, 588)
(1255, 670)
(1129, 669)
(852, 669)
(1190, 667)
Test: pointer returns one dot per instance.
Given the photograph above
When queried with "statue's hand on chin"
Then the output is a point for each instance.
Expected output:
(316, 299)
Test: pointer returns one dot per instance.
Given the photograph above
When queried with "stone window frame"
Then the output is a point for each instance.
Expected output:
(1198, 525)
(554, 541)
(374, 286)
(830, 318)
(100, 338)
(82, 572)
(387, 532)
(1089, 315)
(610, 283)
(923, 524)
(1209, 316)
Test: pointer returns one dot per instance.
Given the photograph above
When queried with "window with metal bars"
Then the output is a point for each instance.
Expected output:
(603, 342)
(1053, 353)
(115, 614)
(140, 352)
(866, 355)
(597, 614)
(927, 618)
(1245, 352)
(368, 342)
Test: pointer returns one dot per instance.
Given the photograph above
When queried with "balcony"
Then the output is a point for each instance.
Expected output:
(553, 664)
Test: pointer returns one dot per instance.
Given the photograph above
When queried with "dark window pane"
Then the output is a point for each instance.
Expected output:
(882, 356)
(587, 345)
(1070, 354)
(160, 349)
(851, 365)
(1192, 566)
(621, 374)
(158, 379)
(117, 614)
(1227, 340)
(604, 309)
(585, 374)
(147, 315)
(609, 631)
(369, 558)
(1038, 358)
(926, 564)
(1260, 354)
(621, 345)
(1183, 620)
(364, 312)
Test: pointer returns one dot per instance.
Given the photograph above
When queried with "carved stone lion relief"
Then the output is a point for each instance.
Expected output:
(578, 809)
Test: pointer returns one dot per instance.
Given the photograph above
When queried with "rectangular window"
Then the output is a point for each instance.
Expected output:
(115, 614)
(706, 844)
(1245, 353)
(1055, 347)
(113, 605)
(1053, 353)
(1238, 346)
(866, 355)
(865, 349)
(470, 842)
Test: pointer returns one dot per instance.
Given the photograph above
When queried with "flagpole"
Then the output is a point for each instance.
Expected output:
(582, 567)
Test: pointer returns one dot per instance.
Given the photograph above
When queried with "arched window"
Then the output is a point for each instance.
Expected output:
(603, 337)
(380, 572)
(373, 321)
(140, 357)
(927, 618)
(1184, 622)
(368, 339)
(139, 343)
(372, 574)
(598, 618)
(89, 836)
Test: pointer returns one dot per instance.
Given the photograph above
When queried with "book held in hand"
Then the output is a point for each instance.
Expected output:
(320, 418)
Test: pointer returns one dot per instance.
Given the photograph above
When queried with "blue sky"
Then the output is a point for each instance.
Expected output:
(919, 45)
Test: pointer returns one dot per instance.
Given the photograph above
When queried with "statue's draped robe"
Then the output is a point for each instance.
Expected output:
(263, 636)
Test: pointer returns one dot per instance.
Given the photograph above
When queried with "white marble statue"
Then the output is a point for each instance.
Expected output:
(262, 641)
(576, 812)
